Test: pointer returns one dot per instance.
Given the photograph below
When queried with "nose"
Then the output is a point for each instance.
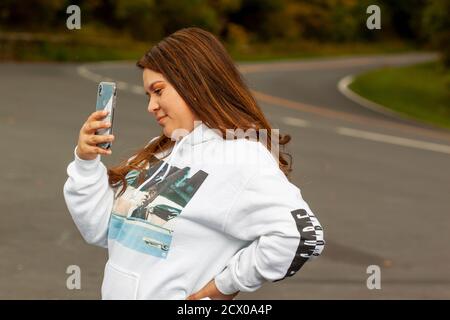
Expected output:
(152, 106)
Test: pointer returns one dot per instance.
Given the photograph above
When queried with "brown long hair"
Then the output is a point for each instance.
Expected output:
(198, 66)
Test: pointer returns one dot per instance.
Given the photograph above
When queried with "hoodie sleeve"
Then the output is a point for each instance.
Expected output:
(89, 198)
(282, 230)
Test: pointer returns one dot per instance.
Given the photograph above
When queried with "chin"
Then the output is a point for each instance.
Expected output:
(168, 130)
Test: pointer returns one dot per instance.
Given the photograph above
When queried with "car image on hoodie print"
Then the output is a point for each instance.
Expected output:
(139, 216)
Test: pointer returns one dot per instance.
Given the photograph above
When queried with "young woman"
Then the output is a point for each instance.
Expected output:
(194, 214)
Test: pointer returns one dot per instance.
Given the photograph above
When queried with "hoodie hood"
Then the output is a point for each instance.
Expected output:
(200, 134)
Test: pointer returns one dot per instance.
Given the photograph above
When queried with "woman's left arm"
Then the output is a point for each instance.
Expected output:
(284, 233)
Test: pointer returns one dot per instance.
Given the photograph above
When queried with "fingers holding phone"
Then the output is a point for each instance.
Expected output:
(89, 140)
(96, 135)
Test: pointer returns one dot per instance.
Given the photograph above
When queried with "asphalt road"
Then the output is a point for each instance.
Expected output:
(379, 185)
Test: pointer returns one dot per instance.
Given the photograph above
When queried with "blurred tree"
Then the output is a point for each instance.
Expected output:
(175, 14)
(255, 16)
(405, 16)
(344, 20)
(281, 23)
(325, 19)
(99, 12)
(152, 20)
(238, 21)
(311, 19)
(224, 8)
(237, 37)
(27, 15)
(139, 18)
(436, 27)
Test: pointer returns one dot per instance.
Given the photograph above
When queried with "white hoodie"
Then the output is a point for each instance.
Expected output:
(224, 211)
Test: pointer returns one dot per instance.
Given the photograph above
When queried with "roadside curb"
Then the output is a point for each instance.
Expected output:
(343, 87)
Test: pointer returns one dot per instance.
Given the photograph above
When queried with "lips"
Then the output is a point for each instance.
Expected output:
(159, 119)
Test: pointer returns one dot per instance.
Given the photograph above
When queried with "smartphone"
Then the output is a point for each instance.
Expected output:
(106, 100)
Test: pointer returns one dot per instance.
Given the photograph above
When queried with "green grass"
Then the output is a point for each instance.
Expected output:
(311, 49)
(90, 43)
(48, 51)
(97, 43)
(421, 91)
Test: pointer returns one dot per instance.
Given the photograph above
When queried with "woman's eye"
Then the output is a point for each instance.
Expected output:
(158, 92)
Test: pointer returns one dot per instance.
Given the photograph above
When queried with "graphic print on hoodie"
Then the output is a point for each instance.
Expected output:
(140, 216)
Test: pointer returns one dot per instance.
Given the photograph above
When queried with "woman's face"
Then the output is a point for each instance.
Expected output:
(166, 105)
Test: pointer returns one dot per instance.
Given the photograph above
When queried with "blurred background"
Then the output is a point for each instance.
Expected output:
(368, 111)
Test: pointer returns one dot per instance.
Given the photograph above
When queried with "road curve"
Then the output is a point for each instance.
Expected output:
(378, 184)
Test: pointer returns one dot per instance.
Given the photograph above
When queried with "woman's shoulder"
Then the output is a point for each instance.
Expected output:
(252, 153)
(257, 167)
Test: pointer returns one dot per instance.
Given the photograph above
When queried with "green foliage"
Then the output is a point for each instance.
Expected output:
(26, 15)
(241, 23)
(260, 20)
(151, 20)
(436, 27)
(138, 18)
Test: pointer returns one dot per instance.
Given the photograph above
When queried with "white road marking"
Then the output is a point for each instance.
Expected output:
(121, 85)
(296, 122)
(86, 73)
(137, 90)
(393, 140)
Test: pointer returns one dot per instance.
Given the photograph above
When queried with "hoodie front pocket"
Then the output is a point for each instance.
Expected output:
(119, 284)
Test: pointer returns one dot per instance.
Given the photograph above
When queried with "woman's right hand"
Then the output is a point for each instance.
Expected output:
(87, 148)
